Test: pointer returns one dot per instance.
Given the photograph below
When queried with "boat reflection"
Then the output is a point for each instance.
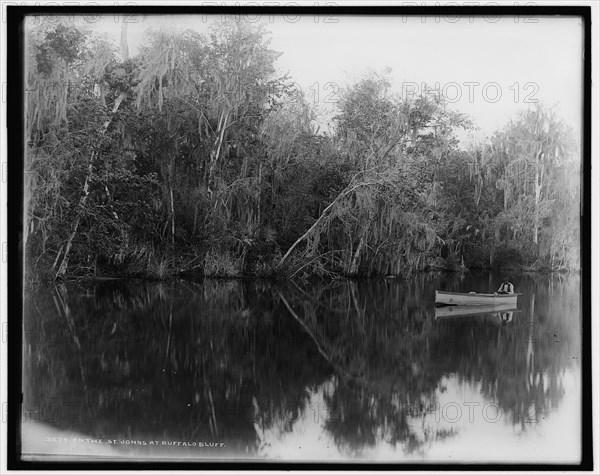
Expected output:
(503, 313)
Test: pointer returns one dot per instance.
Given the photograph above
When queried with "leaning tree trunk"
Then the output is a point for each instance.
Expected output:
(361, 244)
(124, 43)
(539, 176)
(84, 197)
(216, 153)
(172, 212)
(86, 185)
(314, 228)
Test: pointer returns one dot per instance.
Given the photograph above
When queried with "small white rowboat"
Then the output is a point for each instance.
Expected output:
(454, 298)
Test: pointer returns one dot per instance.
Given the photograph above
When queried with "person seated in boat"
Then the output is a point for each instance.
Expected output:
(506, 287)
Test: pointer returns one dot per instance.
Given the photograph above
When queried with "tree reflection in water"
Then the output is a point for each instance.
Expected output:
(241, 362)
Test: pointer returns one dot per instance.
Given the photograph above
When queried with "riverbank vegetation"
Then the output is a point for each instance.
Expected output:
(195, 157)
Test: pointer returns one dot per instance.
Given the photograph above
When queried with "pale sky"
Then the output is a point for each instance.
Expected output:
(507, 62)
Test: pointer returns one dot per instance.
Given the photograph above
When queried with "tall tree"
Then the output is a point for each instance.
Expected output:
(533, 148)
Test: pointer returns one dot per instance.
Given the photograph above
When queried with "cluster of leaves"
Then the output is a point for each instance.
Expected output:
(60, 43)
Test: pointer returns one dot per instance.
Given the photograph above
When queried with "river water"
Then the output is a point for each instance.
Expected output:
(343, 370)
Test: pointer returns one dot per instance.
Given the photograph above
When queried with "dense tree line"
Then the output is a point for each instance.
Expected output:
(194, 156)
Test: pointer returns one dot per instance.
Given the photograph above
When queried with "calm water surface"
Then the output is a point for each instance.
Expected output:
(348, 370)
